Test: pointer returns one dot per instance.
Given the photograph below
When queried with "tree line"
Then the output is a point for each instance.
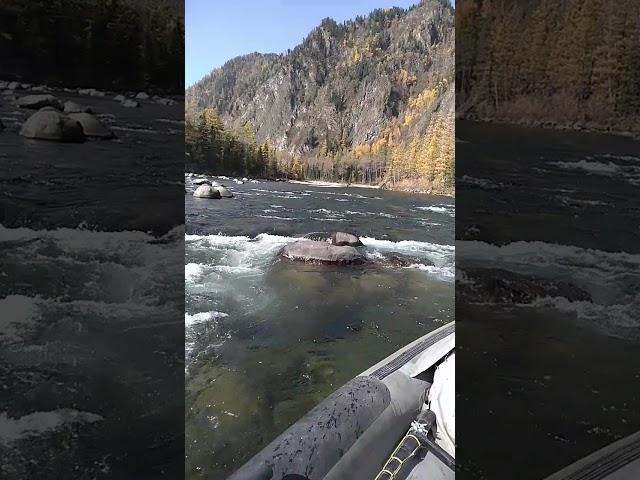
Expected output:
(575, 62)
(211, 147)
(109, 44)
(427, 160)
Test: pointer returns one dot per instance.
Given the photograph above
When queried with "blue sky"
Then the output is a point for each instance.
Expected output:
(218, 30)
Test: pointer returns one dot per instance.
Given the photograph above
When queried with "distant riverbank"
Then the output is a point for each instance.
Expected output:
(408, 186)
(617, 129)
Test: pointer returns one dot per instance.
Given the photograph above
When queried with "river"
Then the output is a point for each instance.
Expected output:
(267, 339)
(547, 297)
(92, 335)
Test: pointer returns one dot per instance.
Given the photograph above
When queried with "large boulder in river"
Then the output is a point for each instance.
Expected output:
(322, 252)
(342, 239)
(73, 107)
(224, 192)
(91, 126)
(39, 101)
(49, 124)
(206, 191)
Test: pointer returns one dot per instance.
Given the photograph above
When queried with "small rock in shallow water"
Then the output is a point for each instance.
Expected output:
(142, 96)
(341, 239)
(39, 101)
(206, 191)
(130, 103)
(201, 181)
(49, 124)
(73, 107)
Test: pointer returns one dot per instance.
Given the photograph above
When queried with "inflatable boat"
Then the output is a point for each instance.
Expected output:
(394, 421)
(618, 461)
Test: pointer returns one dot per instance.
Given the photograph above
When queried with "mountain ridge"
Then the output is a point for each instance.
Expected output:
(349, 95)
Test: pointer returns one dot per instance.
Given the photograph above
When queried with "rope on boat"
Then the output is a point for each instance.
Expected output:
(416, 435)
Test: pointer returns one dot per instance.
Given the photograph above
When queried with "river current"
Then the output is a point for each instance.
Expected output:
(266, 338)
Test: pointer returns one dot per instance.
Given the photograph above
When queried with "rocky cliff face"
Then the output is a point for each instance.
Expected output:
(345, 86)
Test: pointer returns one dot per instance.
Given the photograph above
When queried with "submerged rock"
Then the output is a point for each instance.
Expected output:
(322, 252)
(201, 181)
(13, 85)
(142, 96)
(494, 285)
(39, 101)
(341, 239)
(49, 124)
(119, 98)
(91, 126)
(400, 260)
(73, 107)
(91, 91)
(206, 191)
(128, 103)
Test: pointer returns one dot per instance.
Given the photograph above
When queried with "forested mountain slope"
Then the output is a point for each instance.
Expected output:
(369, 100)
(570, 64)
(89, 43)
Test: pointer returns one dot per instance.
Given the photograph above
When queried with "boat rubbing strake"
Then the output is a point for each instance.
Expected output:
(393, 421)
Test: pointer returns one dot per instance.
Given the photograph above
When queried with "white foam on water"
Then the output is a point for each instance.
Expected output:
(120, 277)
(611, 279)
(202, 317)
(137, 130)
(371, 214)
(276, 217)
(624, 172)
(479, 182)
(170, 121)
(349, 195)
(445, 209)
(627, 158)
(439, 259)
(237, 253)
(192, 271)
(444, 273)
(39, 423)
(19, 313)
(600, 168)
(607, 316)
(568, 201)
